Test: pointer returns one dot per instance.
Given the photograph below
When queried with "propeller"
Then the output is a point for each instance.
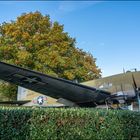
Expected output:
(137, 91)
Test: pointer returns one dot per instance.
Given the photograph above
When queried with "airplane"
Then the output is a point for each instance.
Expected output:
(122, 88)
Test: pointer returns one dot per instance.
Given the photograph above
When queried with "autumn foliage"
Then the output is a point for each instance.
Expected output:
(33, 41)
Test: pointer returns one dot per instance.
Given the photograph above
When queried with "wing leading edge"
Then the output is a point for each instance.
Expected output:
(15, 102)
(55, 87)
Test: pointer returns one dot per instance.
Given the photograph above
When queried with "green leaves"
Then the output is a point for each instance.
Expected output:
(7, 91)
(71, 123)
(33, 41)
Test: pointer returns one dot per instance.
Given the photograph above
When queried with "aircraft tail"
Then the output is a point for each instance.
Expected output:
(22, 93)
(36, 99)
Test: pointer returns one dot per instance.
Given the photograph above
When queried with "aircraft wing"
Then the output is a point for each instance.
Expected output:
(15, 102)
(55, 87)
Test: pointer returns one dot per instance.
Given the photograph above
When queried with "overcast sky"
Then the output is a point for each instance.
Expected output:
(110, 31)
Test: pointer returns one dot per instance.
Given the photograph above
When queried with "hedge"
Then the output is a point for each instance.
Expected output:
(18, 123)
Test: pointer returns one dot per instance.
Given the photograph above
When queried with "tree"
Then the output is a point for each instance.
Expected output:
(7, 91)
(34, 42)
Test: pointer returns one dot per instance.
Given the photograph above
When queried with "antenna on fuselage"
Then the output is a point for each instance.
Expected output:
(137, 91)
(123, 70)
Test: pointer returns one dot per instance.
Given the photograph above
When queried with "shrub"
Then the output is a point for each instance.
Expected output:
(71, 123)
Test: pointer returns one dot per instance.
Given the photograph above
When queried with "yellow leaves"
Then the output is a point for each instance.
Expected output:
(28, 17)
(25, 36)
(9, 29)
(54, 58)
(17, 34)
(17, 62)
(69, 75)
(23, 56)
(6, 52)
(35, 42)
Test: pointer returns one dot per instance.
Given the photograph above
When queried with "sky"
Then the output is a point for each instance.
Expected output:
(109, 30)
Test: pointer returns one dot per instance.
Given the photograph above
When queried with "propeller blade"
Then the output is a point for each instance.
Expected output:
(124, 96)
(134, 83)
(137, 92)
